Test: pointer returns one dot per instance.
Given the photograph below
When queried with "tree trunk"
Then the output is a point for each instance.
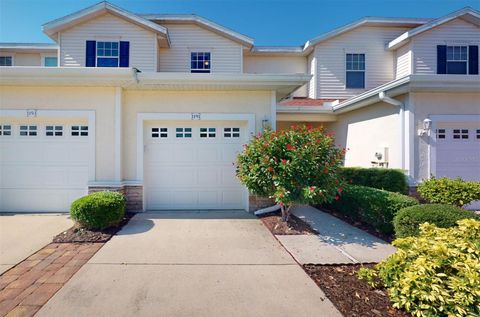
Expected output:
(285, 213)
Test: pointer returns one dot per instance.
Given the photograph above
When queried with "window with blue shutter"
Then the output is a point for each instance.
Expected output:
(90, 54)
(473, 60)
(441, 59)
(124, 54)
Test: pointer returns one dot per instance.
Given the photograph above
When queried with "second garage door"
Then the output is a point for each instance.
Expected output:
(190, 165)
(458, 150)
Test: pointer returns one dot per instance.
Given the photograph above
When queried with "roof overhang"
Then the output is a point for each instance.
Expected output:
(202, 22)
(276, 51)
(411, 83)
(468, 14)
(53, 27)
(367, 21)
(29, 47)
(128, 78)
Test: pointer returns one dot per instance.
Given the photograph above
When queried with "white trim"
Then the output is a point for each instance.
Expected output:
(118, 134)
(273, 110)
(184, 116)
(409, 123)
(89, 114)
(42, 58)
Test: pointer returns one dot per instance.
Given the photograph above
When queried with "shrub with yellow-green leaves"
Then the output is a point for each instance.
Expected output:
(435, 274)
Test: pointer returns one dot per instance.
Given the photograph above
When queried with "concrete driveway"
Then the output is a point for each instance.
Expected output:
(191, 264)
(24, 234)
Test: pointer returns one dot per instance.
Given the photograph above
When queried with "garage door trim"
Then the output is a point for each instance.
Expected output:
(443, 118)
(184, 116)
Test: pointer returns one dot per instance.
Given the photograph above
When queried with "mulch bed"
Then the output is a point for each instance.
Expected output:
(360, 225)
(352, 296)
(82, 235)
(294, 226)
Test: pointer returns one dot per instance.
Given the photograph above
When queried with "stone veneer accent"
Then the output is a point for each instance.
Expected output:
(257, 202)
(133, 193)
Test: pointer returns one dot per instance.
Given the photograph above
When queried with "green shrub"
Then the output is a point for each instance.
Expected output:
(296, 165)
(373, 206)
(392, 180)
(408, 220)
(436, 274)
(449, 191)
(98, 210)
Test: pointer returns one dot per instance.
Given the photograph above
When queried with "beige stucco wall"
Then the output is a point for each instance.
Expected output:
(427, 104)
(101, 100)
(136, 101)
(366, 131)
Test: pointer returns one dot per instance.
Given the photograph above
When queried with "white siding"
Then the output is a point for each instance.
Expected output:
(226, 54)
(403, 65)
(277, 65)
(27, 59)
(108, 27)
(330, 56)
(452, 33)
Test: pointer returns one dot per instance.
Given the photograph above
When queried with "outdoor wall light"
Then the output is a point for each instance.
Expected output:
(426, 126)
(265, 123)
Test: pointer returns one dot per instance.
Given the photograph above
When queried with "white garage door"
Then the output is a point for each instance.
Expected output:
(43, 167)
(458, 150)
(189, 165)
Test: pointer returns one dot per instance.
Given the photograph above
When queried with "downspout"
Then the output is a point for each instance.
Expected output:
(383, 97)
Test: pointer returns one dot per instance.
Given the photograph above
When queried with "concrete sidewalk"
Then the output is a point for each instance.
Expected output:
(337, 243)
(24, 234)
(191, 264)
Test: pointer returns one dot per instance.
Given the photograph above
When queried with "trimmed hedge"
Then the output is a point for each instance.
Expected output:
(408, 220)
(449, 191)
(99, 210)
(392, 180)
(372, 206)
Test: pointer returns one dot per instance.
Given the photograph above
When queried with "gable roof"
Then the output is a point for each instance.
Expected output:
(469, 14)
(366, 21)
(195, 19)
(53, 27)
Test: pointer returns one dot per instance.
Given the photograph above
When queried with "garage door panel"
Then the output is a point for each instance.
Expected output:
(192, 173)
(51, 200)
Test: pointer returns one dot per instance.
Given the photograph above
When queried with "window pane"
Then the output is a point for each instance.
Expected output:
(355, 80)
(107, 62)
(50, 62)
(5, 61)
(456, 67)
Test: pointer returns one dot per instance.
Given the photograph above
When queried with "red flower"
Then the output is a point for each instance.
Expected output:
(311, 188)
(337, 197)
(340, 190)
(289, 147)
(270, 169)
(325, 171)
(284, 161)
(350, 181)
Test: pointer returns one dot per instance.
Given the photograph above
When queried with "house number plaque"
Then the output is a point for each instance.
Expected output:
(196, 116)
(31, 113)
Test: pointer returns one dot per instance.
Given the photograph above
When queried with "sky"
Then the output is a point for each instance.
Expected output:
(268, 22)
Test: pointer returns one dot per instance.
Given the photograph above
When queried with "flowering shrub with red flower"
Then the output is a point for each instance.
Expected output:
(295, 166)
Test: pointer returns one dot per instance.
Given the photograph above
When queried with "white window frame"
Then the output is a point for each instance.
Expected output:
(457, 60)
(2, 130)
(162, 133)
(80, 126)
(103, 56)
(200, 50)
(232, 134)
(54, 130)
(364, 70)
(43, 56)
(461, 134)
(29, 130)
(207, 133)
(182, 133)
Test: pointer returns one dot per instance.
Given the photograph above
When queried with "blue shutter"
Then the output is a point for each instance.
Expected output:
(473, 60)
(90, 54)
(441, 59)
(124, 54)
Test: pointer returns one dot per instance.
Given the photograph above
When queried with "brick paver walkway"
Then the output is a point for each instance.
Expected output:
(25, 288)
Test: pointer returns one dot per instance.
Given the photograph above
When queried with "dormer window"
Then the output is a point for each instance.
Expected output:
(107, 54)
(200, 62)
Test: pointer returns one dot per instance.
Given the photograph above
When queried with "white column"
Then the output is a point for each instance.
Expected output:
(118, 134)
(410, 134)
(273, 110)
